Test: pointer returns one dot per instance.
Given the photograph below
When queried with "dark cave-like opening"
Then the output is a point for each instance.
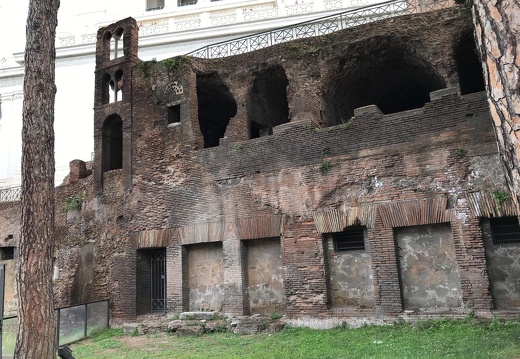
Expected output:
(112, 143)
(268, 105)
(394, 79)
(216, 106)
(469, 67)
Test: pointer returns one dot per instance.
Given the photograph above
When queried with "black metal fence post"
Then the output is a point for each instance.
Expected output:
(86, 319)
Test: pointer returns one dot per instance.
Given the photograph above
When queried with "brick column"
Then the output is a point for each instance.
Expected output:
(233, 274)
(385, 265)
(175, 268)
(304, 271)
(471, 259)
(122, 287)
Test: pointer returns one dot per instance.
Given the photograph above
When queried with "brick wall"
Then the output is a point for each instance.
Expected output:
(272, 186)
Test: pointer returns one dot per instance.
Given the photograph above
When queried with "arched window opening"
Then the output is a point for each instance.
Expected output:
(391, 77)
(112, 143)
(106, 45)
(216, 106)
(112, 91)
(118, 85)
(469, 66)
(116, 44)
(106, 89)
(113, 87)
(268, 105)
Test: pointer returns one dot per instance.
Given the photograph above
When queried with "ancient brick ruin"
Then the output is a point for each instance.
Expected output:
(353, 174)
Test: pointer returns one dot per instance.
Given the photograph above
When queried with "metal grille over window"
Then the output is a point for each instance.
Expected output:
(350, 239)
(505, 230)
(154, 4)
(158, 281)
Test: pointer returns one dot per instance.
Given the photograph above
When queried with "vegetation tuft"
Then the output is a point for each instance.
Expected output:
(500, 195)
(73, 203)
(171, 64)
(459, 152)
(275, 316)
(325, 166)
(142, 69)
(239, 148)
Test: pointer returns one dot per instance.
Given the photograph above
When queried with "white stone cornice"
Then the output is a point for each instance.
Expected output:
(211, 21)
(11, 95)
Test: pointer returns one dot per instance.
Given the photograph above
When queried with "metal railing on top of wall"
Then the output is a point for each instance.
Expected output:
(320, 26)
(10, 194)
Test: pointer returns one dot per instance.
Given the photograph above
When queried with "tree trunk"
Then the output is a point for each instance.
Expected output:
(36, 318)
(497, 33)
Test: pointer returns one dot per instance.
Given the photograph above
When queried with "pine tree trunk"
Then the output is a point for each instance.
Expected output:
(497, 33)
(36, 318)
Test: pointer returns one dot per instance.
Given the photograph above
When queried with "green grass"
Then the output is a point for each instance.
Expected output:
(429, 339)
(9, 336)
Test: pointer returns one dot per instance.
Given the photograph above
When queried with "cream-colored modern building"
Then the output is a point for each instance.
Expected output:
(167, 28)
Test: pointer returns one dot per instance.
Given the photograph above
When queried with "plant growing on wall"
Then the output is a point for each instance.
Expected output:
(239, 148)
(500, 195)
(459, 152)
(325, 167)
(171, 64)
(73, 203)
(142, 69)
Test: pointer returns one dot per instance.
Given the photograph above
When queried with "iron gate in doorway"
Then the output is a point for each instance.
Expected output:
(158, 280)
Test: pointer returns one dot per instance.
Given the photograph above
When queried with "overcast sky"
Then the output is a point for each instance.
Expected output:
(13, 15)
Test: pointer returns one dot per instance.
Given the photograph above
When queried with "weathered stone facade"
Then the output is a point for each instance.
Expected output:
(243, 169)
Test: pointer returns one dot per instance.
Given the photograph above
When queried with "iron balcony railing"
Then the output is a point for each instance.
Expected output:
(320, 26)
(10, 194)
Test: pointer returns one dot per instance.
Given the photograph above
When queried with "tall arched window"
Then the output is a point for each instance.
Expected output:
(112, 143)
(116, 44)
(118, 83)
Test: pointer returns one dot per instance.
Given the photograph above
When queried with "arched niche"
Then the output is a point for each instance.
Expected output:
(383, 73)
(268, 106)
(469, 67)
(216, 106)
(112, 143)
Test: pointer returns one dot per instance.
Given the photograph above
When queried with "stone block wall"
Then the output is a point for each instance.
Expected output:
(265, 289)
(429, 273)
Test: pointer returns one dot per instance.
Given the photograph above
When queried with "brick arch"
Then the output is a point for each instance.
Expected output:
(385, 72)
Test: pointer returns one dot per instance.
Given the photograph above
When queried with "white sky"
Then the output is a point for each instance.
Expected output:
(12, 26)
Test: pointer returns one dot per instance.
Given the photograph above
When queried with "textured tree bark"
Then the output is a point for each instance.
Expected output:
(497, 33)
(36, 318)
